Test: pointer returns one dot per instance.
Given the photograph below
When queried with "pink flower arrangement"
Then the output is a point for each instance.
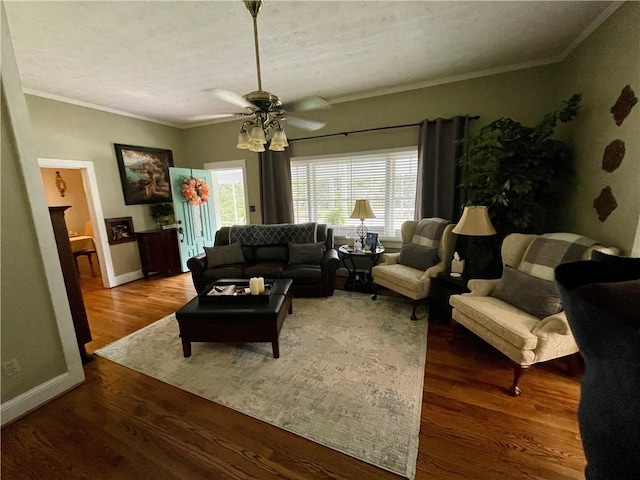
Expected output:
(195, 191)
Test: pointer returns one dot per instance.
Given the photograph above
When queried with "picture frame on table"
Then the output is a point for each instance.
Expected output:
(371, 241)
(120, 230)
(144, 173)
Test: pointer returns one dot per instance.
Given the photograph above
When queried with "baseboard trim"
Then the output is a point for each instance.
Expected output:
(128, 277)
(30, 400)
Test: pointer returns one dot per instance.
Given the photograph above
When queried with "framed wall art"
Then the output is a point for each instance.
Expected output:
(144, 173)
(120, 230)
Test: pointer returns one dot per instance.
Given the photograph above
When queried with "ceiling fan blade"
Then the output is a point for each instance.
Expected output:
(304, 123)
(231, 97)
(307, 104)
(210, 116)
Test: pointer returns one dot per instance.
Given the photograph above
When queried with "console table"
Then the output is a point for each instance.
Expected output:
(159, 252)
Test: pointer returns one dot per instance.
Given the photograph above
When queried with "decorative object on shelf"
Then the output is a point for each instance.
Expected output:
(162, 213)
(144, 173)
(61, 185)
(605, 203)
(195, 191)
(613, 155)
(623, 105)
(120, 230)
(480, 258)
(516, 171)
(362, 210)
(264, 110)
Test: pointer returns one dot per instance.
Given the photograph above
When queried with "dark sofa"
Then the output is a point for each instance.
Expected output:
(302, 252)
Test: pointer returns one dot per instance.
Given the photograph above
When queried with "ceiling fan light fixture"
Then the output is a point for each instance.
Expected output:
(257, 135)
(256, 147)
(243, 140)
(279, 138)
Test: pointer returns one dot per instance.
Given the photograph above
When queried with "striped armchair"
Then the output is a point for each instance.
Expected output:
(414, 281)
(521, 313)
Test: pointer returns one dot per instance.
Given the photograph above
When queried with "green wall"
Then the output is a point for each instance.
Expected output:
(70, 132)
(28, 324)
(599, 68)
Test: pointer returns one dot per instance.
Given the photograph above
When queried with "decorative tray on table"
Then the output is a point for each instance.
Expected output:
(233, 292)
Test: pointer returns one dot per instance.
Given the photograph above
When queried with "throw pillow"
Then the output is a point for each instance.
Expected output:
(417, 256)
(306, 253)
(536, 296)
(224, 255)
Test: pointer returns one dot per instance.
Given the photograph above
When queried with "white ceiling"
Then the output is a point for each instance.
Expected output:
(154, 59)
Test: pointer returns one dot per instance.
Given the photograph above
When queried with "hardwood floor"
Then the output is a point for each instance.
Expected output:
(120, 424)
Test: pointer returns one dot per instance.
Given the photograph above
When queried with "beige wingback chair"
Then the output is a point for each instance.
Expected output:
(408, 281)
(524, 338)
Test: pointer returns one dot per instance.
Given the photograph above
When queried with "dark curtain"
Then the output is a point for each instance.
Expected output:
(440, 145)
(275, 186)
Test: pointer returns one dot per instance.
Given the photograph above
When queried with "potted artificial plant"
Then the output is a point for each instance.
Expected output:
(162, 213)
(518, 171)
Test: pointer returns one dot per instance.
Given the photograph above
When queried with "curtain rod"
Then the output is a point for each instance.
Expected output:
(475, 117)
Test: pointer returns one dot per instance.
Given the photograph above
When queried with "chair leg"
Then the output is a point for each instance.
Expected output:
(374, 287)
(413, 313)
(518, 370)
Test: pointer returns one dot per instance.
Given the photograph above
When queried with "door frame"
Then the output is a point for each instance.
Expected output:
(90, 183)
(232, 165)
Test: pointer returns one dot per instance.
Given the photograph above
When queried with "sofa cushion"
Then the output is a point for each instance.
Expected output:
(502, 319)
(225, 255)
(417, 256)
(210, 275)
(266, 270)
(270, 254)
(306, 253)
(536, 296)
(403, 279)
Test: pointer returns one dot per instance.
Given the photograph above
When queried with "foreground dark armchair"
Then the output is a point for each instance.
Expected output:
(303, 253)
(601, 298)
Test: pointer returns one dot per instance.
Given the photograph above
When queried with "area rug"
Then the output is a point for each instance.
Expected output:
(350, 374)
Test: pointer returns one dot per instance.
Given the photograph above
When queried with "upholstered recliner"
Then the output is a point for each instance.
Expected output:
(415, 282)
(520, 313)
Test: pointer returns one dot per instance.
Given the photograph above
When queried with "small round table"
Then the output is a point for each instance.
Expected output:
(359, 276)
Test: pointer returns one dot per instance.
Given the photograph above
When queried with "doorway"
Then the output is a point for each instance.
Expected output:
(94, 211)
(230, 198)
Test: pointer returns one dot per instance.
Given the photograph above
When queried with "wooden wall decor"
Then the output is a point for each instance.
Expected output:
(623, 105)
(605, 203)
(613, 155)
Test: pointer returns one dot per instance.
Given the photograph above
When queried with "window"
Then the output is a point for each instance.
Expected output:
(325, 189)
(229, 192)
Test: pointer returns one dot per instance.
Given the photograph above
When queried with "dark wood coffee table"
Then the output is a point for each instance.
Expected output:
(237, 322)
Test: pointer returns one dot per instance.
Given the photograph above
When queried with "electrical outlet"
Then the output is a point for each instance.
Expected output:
(11, 367)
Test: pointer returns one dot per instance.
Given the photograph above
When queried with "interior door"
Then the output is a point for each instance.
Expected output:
(196, 223)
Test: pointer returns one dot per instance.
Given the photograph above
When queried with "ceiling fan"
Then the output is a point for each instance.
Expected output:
(265, 109)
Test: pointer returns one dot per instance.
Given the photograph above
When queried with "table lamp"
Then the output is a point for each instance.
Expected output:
(362, 210)
(475, 222)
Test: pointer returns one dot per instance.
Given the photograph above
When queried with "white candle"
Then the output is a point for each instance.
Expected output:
(261, 284)
(254, 286)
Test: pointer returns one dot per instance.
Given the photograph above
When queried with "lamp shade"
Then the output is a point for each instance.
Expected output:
(475, 222)
(362, 210)
(243, 140)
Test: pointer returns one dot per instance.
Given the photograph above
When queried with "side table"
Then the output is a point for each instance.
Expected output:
(442, 287)
(359, 275)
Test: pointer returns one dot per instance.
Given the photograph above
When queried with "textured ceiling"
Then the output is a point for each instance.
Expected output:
(155, 59)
